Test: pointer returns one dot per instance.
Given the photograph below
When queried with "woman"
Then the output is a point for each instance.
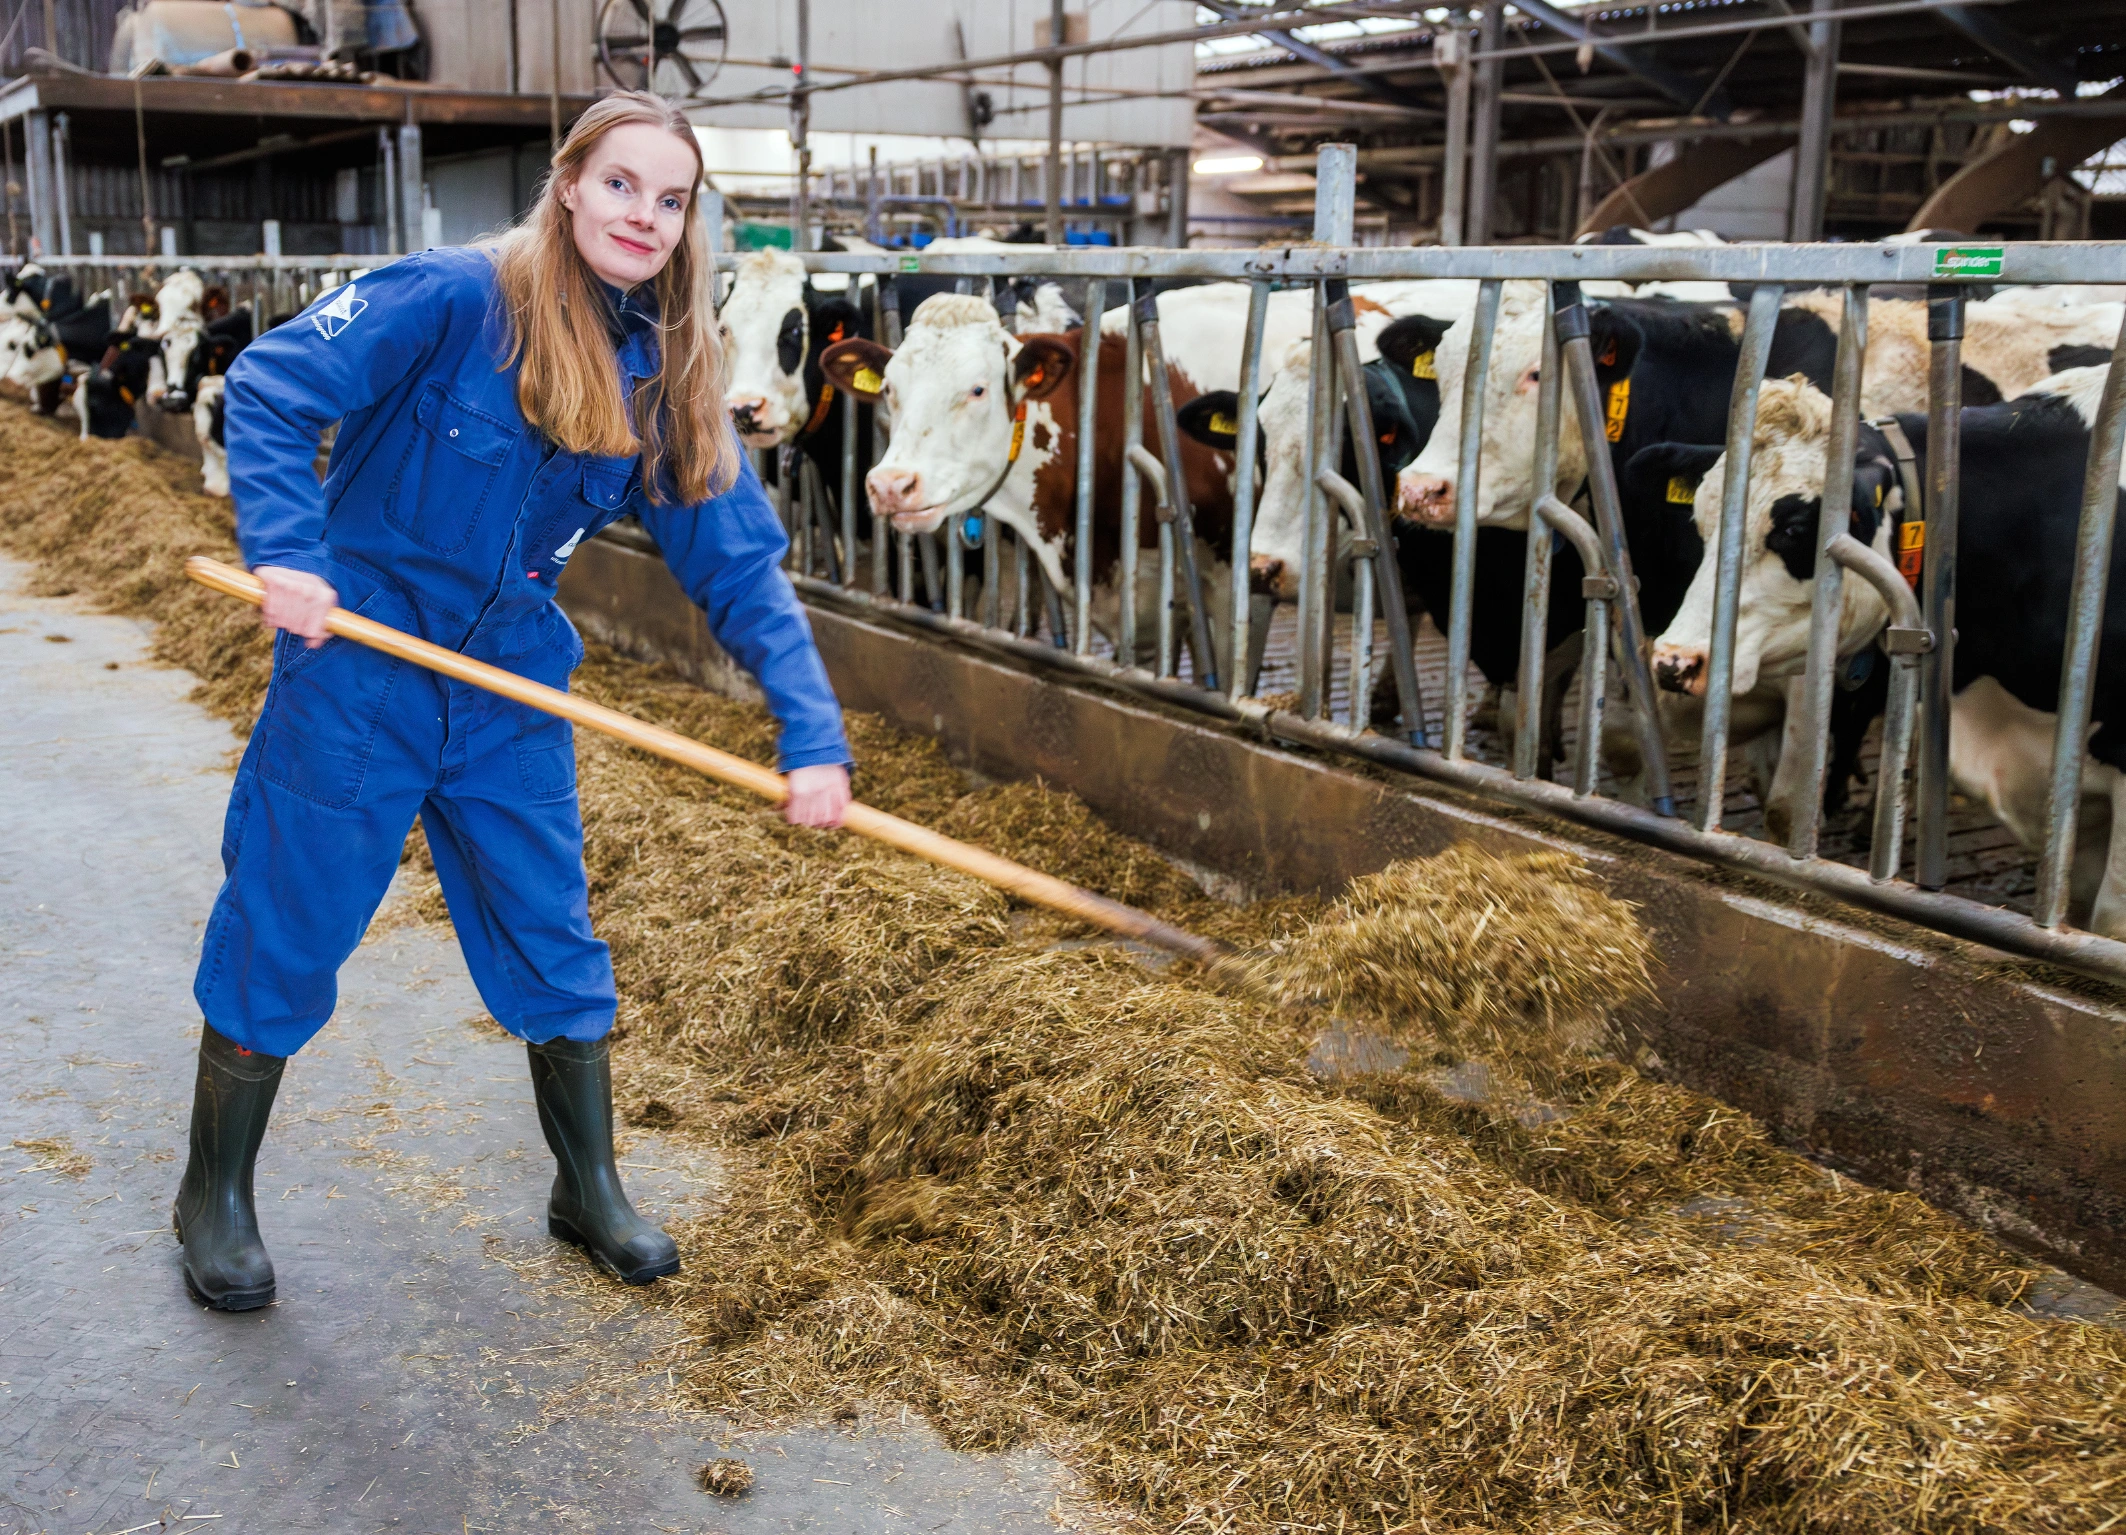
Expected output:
(498, 406)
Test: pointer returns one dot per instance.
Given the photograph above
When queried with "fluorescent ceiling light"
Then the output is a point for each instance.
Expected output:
(1228, 165)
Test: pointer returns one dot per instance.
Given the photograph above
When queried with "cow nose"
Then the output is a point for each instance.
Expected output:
(894, 490)
(1679, 669)
(744, 409)
(1424, 497)
(1268, 576)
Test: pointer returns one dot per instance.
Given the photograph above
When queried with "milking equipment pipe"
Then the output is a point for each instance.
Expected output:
(1081, 554)
(1372, 515)
(1483, 324)
(1027, 884)
(1132, 491)
(1727, 572)
(1577, 354)
(1827, 599)
(1183, 523)
(2085, 628)
(1945, 391)
(1535, 578)
(1245, 489)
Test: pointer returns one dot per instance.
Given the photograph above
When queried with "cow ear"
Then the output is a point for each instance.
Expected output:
(1410, 343)
(1212, 419)
(1615, 341)
(857, 367)
(1042, 365)
(1669, 472)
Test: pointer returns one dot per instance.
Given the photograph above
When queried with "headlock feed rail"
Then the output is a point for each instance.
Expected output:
(1027, 884)
(1045, 602)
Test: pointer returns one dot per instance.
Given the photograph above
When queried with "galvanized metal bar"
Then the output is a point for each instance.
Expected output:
(1571, 323)
(1530, 715)
(1364, 553)
(1827, 601)
(1317, 576)
(1370, 516)
(815, 492)
(1244, 487)
(848, 490)
(955, 557)
(1727, 578)
(2085, 629)
(1132, 491)
(1021, 608)
(992, 570)
(904, 548)
(1945, 334)
(934, 585)
(1598, 588)
(1483, 323)
(1178, 551)
(1165, 664)
(1081, 633)
(1904, 640)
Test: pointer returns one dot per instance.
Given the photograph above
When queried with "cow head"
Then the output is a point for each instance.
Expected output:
(952, 385)
(25, 289)
(1040, 309)
(179, 320)
(1425, 491)
(775, 326)
(1781, 529)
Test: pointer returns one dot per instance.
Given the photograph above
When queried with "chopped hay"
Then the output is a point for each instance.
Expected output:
(1042, 1195)
(726, 1478)
(56, 1154)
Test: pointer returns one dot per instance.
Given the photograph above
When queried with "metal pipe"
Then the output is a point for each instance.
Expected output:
(954, 555)
(1827, 600)
(848, 490)
(553, 83)
(1945, 332)
(1812, 156)
(1905, 640)
(1484, 127)
(1370, 514)
(62, 193)
(992, 571)
(1483, 323)
(801, 132)
(1535, 572)
(1572, 327)
(1599, 590)
(1181, 519)
(1450, 53)
(388, 154)
(1245, 430)
(1164, 661)
(1994, 926)
(1052, 176)
(1727, 579)
(1316, 577)
(1132, 491)
(1088, 418)
(1021, 609)
(2085, 629)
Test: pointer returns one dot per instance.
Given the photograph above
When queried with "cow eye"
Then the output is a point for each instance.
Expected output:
(977, 392)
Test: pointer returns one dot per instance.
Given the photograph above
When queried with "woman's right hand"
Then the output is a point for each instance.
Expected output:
(296, 601)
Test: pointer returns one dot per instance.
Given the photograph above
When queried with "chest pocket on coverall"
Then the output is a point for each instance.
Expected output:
(322, 716)
(449, 468)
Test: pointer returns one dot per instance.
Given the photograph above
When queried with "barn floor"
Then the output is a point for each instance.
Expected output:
(434, 1362)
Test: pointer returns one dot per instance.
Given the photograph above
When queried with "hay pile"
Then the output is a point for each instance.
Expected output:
(1042, 1194)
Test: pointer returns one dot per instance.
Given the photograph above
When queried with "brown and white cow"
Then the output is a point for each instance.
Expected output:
(954, 386)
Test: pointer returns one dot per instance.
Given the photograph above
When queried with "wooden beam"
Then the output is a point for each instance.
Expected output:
(2009, 173)
(1696, 170)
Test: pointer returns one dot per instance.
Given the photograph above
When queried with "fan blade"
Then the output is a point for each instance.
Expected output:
(627, 44)
(710, 34)
(642, 9)
(686, 66)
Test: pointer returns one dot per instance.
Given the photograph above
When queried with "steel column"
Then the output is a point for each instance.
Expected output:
(1132, 490)
(1484, 128)
(1450, 52)
(1244, 487)
(1535, 573)
(1483, 324)
(1945, 334)
(1082, 529)
(1727, 580)
(1812, 155)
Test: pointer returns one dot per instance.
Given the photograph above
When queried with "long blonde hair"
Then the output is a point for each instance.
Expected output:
(569, 385)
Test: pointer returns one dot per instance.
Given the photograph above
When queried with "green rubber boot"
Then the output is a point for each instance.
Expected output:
(573, 1081)
(225, 1261)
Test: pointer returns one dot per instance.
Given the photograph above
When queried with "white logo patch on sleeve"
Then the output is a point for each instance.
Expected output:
(340, 313)
(561, 554)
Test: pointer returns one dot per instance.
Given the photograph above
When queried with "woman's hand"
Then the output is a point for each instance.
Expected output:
(298, 602)
(818, 796)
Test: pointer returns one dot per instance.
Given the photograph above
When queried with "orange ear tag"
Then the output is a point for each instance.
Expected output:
(1619, 406)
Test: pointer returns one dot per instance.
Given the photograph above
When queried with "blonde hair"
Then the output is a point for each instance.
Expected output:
(569, 385)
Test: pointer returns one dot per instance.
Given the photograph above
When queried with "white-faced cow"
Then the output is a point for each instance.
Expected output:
(180, 316)
(955, 387)
(2021, 466)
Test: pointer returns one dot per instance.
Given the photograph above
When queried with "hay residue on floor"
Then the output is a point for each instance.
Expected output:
(1043, 1195)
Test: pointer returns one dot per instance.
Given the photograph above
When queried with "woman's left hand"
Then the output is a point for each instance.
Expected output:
(819, 796)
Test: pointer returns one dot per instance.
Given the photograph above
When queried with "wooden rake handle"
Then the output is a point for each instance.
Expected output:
(1027, 884)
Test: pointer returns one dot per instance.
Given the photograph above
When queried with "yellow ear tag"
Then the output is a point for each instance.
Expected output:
(1878, 495)
(1680, 490)
(866, 381)
(1222, 425)
(1619, 404)
(1423, 366)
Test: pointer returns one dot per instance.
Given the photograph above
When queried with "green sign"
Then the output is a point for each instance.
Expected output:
(1967, 261)
(915, 263)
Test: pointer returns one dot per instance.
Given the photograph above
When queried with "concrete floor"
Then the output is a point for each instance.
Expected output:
(435, 1362)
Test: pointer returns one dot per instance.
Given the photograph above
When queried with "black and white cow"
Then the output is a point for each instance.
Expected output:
(217, 346)
(2022, 466)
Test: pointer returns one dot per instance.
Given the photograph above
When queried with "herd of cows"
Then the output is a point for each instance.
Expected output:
(979, 409)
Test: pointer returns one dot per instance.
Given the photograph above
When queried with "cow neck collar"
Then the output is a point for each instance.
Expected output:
(1910, 544)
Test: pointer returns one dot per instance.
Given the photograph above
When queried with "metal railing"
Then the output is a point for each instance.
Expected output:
(927, 587)
(273, 285)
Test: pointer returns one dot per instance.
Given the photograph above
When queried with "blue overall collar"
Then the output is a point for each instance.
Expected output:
(631, 319)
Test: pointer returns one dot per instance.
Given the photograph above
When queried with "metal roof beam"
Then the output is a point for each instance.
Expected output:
(1372, 85)
(2011, 47)
(1680, 89)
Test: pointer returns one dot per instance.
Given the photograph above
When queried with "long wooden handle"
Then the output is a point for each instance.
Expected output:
(1028, 884)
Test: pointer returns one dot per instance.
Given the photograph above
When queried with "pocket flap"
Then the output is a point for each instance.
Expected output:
(474, 433)
(605, 483)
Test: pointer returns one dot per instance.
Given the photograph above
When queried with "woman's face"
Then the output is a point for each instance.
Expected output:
(631, 202)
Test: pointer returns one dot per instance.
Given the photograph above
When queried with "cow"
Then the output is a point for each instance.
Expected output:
(53, 352)
(956, 385)
(179, 321)
(130, 363)
(2021, 468)
(219, 343)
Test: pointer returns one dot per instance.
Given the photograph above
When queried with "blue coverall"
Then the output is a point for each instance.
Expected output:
(446, 514)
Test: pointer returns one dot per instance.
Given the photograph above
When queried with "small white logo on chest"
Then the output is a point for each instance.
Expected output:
(340, 313)
(561, 554)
